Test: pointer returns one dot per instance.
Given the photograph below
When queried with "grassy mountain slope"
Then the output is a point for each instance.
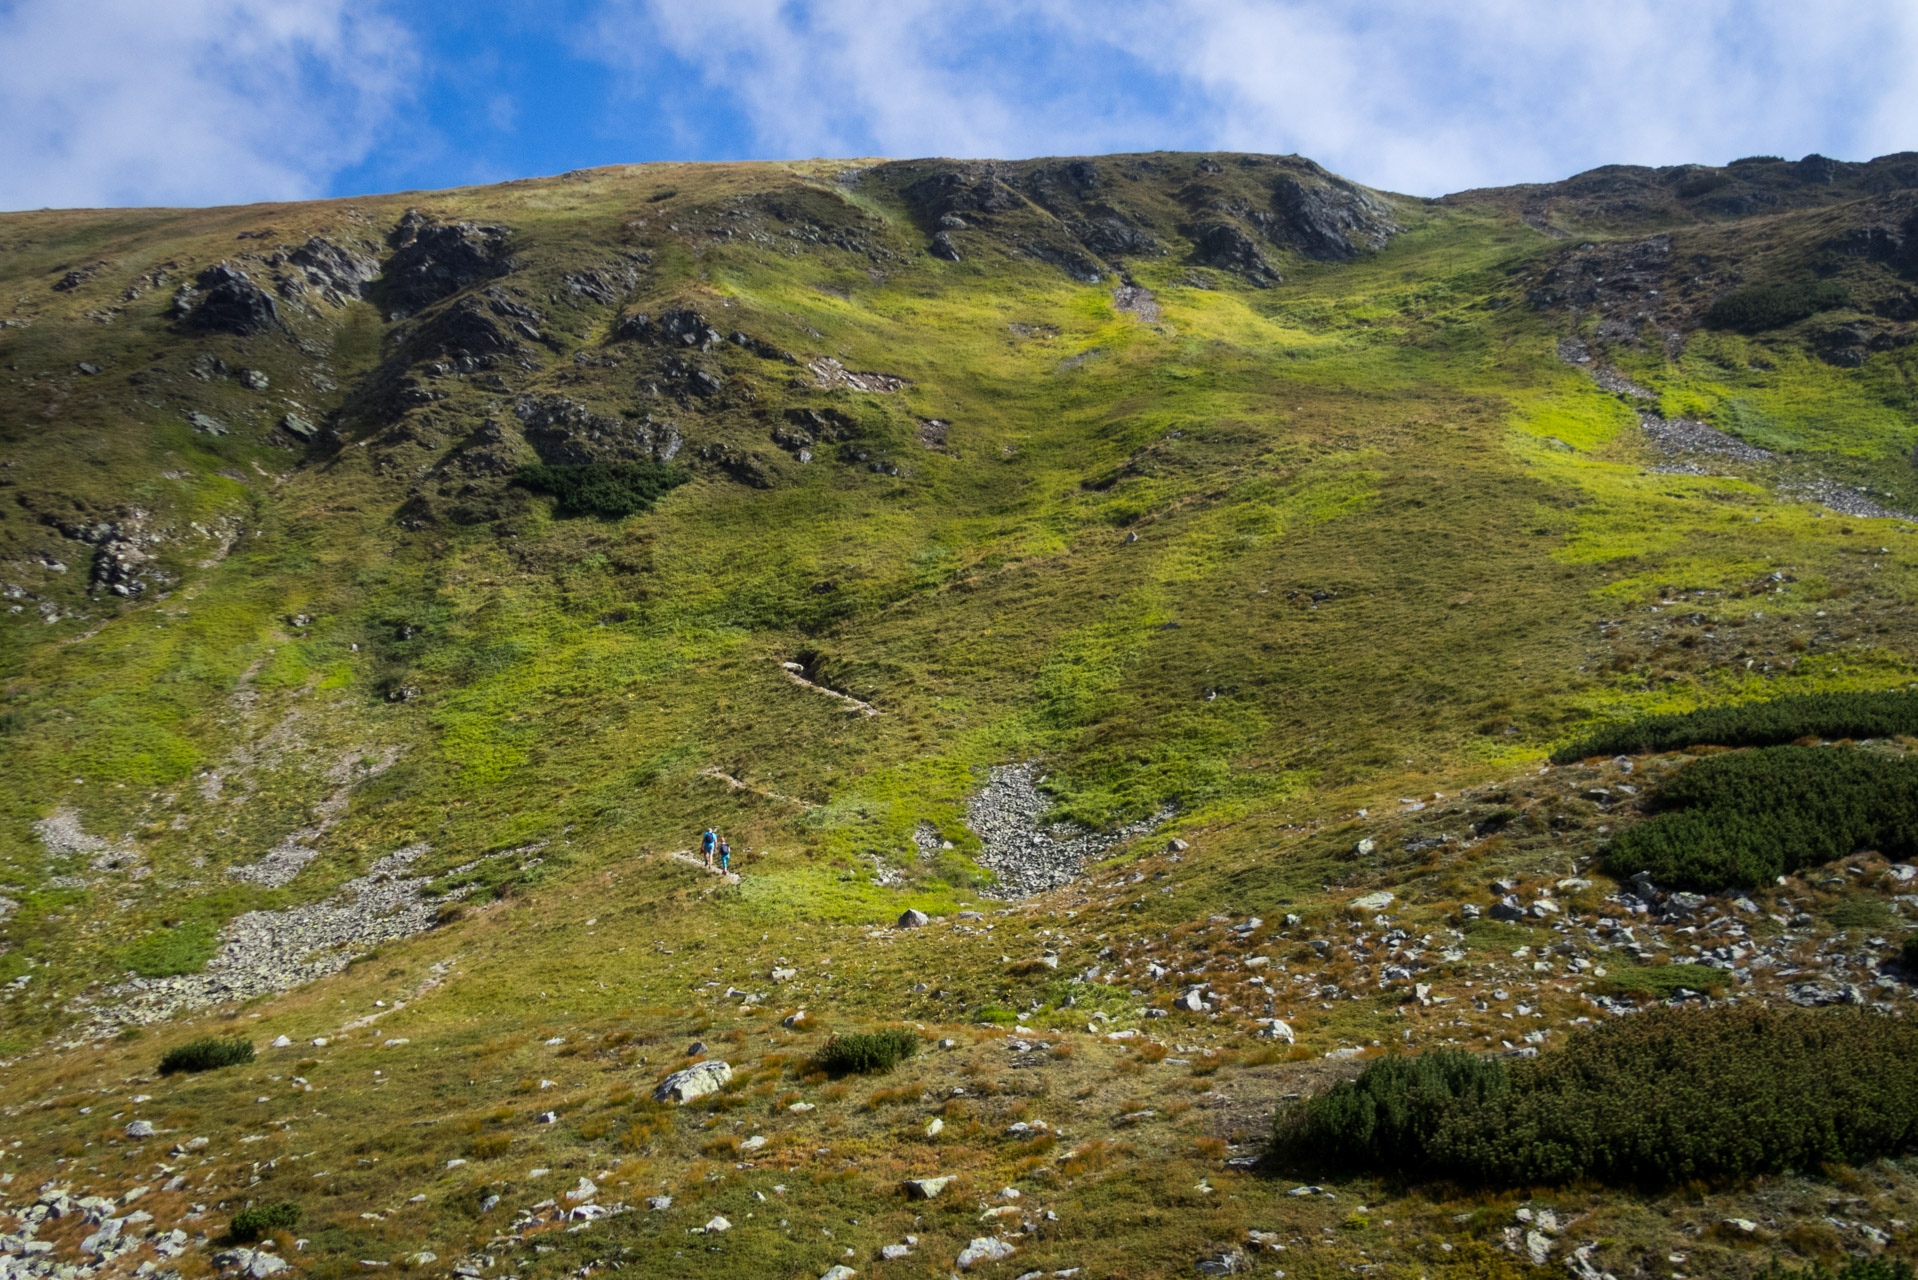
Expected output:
(1240, 498)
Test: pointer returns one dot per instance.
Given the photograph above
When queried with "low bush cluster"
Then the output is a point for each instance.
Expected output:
(251, 1224)
(208, 1053)
(1755, 724)
(1742, 820)
(1657, 1099)
(607, 489)
(1762, 307)
(867, 1052)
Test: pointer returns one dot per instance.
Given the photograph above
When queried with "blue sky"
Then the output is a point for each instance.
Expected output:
(116, 102)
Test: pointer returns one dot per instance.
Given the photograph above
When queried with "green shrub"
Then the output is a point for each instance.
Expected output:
(1743, 820)
(608, 489)
(867, 1052)
(1659, 1098)
(250, 1224)
(209, 1053)
(1755, 724)
(1761, 307)
(185, 948)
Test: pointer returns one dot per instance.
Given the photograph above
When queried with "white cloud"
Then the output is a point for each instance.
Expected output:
(113, 102)
(1398, 93)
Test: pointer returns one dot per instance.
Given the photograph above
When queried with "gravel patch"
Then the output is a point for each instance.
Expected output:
(1675, 436)
(1845, 500)
(1028, 855)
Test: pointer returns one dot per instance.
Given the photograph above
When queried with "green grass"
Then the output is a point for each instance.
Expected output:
(185, 948)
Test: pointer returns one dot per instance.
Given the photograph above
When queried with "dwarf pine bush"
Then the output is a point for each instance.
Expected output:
(1754, 724)
(1743, 820)
(1660, 1098)
(868, 1052)
(607, 489)
(208, 1053)
(250, 1224)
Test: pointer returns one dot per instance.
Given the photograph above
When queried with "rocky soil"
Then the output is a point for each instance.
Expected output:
(262, 952)
(1027, 854)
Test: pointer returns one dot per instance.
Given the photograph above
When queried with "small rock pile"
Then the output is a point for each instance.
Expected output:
(1028, 857)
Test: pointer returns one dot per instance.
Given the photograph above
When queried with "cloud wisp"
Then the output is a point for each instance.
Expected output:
(191, 101)
(1397, 93)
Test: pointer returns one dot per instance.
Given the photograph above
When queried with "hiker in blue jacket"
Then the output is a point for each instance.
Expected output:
(707, 844)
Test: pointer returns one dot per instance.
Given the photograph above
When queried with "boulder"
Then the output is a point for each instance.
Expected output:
(840, 1271)
(140, 1129)
(926, 1188)
(983, 1249)
(914, 919)
(1374, 901)
(694, 1082)
(1226, 1262)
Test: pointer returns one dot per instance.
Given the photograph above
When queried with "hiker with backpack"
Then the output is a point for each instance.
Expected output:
(725, 855)
(708, 842)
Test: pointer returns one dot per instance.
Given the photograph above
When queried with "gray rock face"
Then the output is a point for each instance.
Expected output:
(564, 432)
(231, 303)
(1007, 815)
(926, 1188)
(695, 1081)
(913, 918)
(1224, 245)
(1331, 222)
(340, 273)
(434, 260)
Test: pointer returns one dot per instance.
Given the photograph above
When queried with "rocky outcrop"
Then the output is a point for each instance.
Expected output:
(1330, 222)
(337, 272)
(487, 331)
(564, 432)
(225, 300)
(1224, 245)
(435, 260)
